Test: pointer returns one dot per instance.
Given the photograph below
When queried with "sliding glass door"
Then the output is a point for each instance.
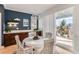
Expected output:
(64, 22)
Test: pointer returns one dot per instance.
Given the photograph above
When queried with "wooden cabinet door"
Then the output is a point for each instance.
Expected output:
(9, 39)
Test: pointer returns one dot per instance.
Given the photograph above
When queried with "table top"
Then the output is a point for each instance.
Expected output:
(34, 43)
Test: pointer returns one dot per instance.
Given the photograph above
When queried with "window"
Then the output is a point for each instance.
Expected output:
(25, 22)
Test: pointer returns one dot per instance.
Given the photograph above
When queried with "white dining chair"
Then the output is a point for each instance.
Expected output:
(32, 34)
(48, 35)
(48, 47)
(21, 49)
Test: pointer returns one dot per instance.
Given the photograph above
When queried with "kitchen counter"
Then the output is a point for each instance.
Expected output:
(17, 31)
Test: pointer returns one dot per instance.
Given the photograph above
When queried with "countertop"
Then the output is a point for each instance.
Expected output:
(16, 31)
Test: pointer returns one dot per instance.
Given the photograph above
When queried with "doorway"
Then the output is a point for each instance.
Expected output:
(64, 24)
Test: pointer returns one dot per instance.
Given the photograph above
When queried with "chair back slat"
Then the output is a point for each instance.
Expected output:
(48, 35)
(19, 45)
(48, 47)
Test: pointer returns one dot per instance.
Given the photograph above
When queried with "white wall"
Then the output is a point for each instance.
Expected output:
(55, 9)
(48, 18)
(33, 22)
(46, 23)
(40, 23)
(76, 29)
(0, 30)
(49, 23)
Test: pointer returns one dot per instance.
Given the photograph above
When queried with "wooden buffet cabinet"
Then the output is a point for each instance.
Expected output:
(9, 38)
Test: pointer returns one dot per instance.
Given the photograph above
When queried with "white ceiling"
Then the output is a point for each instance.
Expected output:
(65, 13)
(29, 8)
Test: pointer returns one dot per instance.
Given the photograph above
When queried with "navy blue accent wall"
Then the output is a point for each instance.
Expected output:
(10, 14)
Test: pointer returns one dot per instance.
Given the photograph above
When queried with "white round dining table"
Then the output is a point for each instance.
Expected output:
(34, 43)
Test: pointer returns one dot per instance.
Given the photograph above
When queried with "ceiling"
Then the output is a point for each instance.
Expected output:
(29, 8)
(65, 13)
